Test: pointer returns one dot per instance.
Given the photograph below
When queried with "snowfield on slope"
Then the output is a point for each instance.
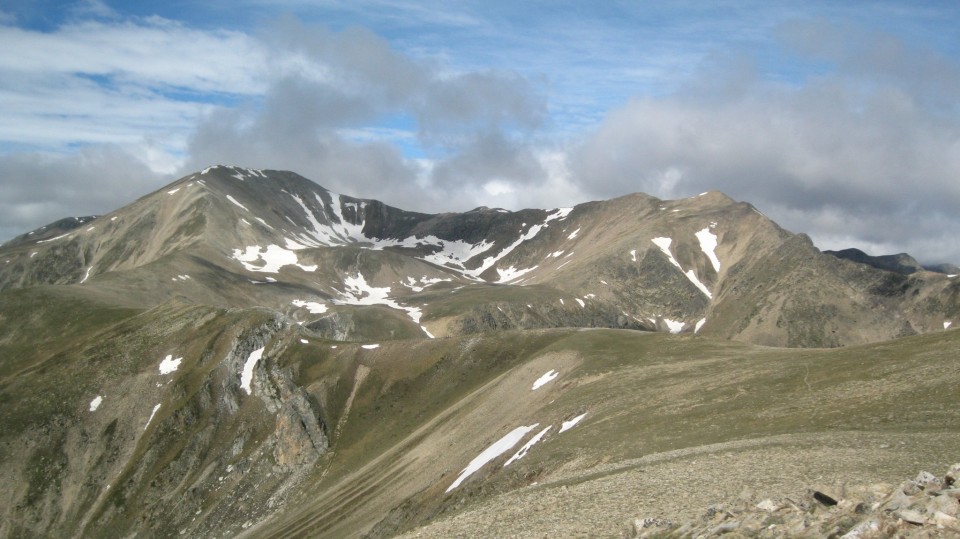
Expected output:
(664, 245)
(567, 425)
(708, 244)
(498, 448)
(169, 364)
(358, 292)
(246, 376)
(526, 447)
(273, 258)
(153, 413)
(312, 306)
(545, 379)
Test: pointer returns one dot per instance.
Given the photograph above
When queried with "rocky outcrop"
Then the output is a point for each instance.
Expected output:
(926, 506)
(301, 434)
(300, 431)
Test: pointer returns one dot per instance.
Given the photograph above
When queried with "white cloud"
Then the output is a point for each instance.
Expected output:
(152, 52)
(825, 130)
(139, 83)
(852, 154)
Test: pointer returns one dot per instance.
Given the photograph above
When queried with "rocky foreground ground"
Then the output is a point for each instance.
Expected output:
(926, 506)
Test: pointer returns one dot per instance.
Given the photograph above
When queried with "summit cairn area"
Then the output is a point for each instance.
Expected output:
(926, 507)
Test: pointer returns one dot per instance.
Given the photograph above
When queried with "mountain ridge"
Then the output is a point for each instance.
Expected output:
(244, 353)
(671, 263)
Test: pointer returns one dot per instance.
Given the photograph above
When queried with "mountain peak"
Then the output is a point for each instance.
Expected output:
(636, 261)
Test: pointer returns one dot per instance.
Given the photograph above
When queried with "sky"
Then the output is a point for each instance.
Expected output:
(840, 120)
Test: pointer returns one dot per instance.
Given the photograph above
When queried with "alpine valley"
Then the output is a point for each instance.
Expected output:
(244, 353)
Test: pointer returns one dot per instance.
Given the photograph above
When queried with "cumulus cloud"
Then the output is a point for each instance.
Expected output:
(858, 146)
(328, 86)
(864, 155)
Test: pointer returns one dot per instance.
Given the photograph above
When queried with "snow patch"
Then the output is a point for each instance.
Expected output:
(246, 377)
(304, 341)
(580, 301)
(231, 199)
(358, 292)
(274, 258)
(567, 425)
(531, 233)
(153, 413)
(545, 379)
(674, 326)
(512, 273)
(947, 324)
(312, 306)
(573, 234)
(633, 255)
(169, 364)
(700, 323)
(95, 403)
(173, 191)
(664, 245)
(498, 448)
(85, 276)
(370, 346)
(708, 243)
(417, 285)
(527, 446)
(54, 239)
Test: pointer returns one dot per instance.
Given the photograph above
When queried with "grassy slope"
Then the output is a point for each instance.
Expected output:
(673, 424)
(424, 412)
(677, 424)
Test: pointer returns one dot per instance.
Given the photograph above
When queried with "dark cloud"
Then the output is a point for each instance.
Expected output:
(474, 101)
(280, 141)
(490, 157)
(330, 85)
(37, 189)
(358, 63)
(861, 155)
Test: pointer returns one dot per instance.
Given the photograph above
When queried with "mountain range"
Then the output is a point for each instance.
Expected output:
(246, 353)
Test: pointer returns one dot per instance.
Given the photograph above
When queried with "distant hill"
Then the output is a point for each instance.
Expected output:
(899, 263)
